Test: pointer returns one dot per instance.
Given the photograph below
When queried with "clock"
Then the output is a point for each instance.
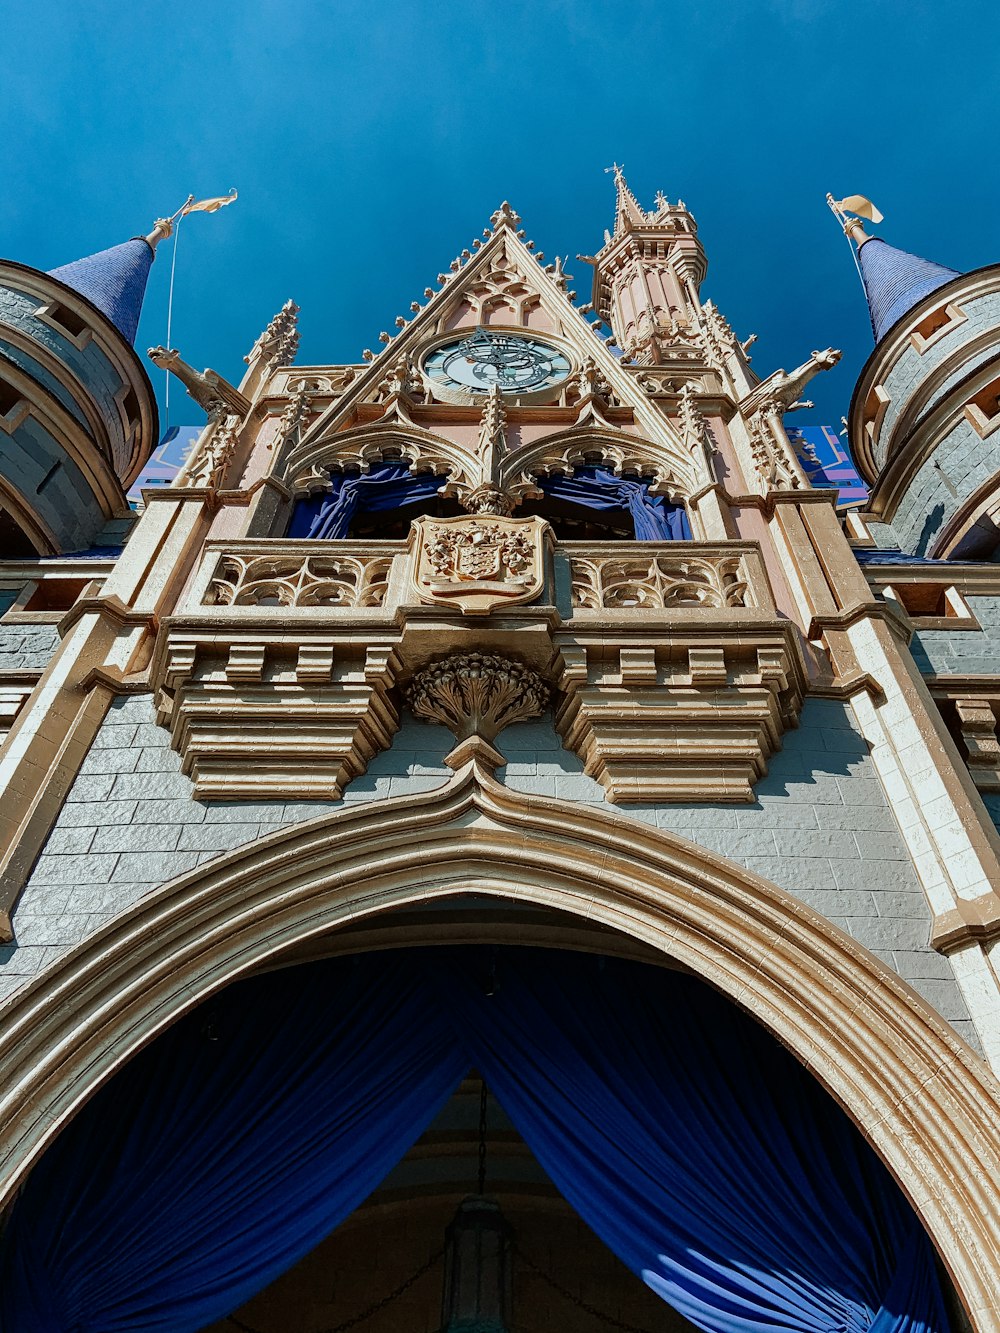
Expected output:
(516, 363)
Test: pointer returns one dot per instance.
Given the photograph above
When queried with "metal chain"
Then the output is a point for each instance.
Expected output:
(372, 1309)
(608, 1320)
(483, 1094)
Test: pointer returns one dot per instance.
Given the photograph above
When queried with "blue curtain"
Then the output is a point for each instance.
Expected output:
(595, 488)
(386, 487)
(702, 1154)
(225, 1152)
(700, 1151)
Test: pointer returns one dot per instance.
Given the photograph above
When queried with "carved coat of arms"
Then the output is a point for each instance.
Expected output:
(480, 562)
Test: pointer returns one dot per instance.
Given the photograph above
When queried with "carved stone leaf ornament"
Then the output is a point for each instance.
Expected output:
(481, 562)
(477, 694)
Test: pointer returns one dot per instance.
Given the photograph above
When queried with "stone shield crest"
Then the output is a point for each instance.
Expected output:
(480, 562)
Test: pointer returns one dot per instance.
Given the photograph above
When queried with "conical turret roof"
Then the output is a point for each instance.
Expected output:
(895, 281)
(113, 280)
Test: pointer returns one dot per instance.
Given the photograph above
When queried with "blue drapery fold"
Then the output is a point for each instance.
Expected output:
(655, 519)
(386, 487)
(701, 1153)
(390, 486)
(225, 1152)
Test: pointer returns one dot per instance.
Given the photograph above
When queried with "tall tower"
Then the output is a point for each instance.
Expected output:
(647, 274)
(490, 794)
(77, 413)
(927, 403)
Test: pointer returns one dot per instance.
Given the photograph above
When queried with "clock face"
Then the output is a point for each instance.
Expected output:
(515, 363)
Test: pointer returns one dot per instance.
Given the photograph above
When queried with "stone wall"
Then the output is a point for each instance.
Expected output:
(90, 364)
(27, 647)
(820, 827)
(962, 651)
(962, 461)
(912, 367)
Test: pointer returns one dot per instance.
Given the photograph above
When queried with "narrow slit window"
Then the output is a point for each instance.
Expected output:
(933, 327)
(983, 409)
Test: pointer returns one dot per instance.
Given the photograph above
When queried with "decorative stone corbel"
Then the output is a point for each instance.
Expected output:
(978, 727)
(477, 694)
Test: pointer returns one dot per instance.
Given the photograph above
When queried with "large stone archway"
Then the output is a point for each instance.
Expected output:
(927, 1104)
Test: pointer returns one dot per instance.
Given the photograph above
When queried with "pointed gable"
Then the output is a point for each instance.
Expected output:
(501, 282)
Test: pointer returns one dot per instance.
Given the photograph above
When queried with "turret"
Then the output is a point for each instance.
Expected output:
(646, 274)
(78, 416)
(925, 416)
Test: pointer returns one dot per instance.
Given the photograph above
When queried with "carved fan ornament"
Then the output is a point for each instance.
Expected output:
(477, 694)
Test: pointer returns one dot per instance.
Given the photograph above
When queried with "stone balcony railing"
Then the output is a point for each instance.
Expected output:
(661, 576)
(244, 577)
(282, 670)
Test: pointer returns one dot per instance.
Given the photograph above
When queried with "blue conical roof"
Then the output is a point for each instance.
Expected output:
(895, 281)
(114, 280)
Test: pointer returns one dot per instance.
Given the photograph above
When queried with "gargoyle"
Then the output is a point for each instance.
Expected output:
(784, 388)
(209, 390)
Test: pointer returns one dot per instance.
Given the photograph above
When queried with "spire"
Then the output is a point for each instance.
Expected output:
(628, 214)
(115, 280)
(895, 281)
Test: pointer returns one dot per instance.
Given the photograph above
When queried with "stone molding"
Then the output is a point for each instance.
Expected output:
(279, 674)
(926, 1103)
(679, 715)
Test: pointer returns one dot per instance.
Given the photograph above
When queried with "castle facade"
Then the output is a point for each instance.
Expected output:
(525, 645)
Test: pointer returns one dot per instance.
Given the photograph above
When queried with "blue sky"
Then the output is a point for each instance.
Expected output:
(371, 141)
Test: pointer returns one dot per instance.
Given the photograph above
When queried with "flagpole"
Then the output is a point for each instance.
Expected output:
(170, 309)
(841, 217)
(189, 206)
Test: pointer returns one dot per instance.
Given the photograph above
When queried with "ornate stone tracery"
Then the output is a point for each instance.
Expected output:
(658, 582)
(291, 580)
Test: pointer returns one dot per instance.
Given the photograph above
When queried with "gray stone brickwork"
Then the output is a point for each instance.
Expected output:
(912, 368)
(26, 459)
(883, 535)
(961, 462)
(27, 647)
(43, 377)
(89, 364)
(820, 827)
(962, 651)
(130, 823)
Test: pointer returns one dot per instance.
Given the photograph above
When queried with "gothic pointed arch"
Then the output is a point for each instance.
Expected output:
(922, 1099)
(308, 467)
(620, 451)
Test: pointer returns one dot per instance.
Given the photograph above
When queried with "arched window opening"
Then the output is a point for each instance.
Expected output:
(379, 504)
(593, 504)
